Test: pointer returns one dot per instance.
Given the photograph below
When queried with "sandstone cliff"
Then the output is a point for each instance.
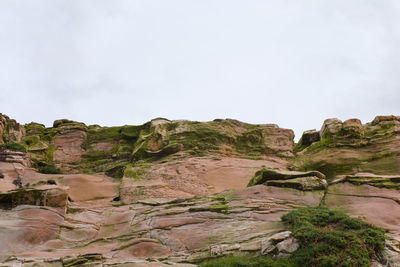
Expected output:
(175, 192)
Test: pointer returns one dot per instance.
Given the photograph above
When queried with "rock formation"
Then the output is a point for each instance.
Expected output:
(181, 192)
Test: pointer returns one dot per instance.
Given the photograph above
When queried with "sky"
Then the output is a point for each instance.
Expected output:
(289, 62)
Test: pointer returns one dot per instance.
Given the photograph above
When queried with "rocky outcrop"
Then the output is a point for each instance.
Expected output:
(69, 141)
(219, 136)
(308, 138)
(351, 128)
(350, 147)
(305, 181)
(179, 193)
(12, 156)
(74, 146)
(10, 130)
(381, 181)
(153, 231)
(52, 197)
(331, 127)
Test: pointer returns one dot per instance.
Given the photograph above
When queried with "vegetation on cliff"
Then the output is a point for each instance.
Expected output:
(13, 146)
(332, 238)
(349, 147)
(338, 148)
(327, 238)
(114, 149)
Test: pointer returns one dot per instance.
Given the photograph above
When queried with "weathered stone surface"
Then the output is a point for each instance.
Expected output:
(268, 245)
(69, 142)
(384, 119)
(352, 128)
(161, 231)
(281, 244)
(349, 147)
(224, 249)
(12, 156)
(305, 181)
(330, 127)
(227, 137)
(335, 128)
(309, 137)
(391, 258)
(192, 176)
(10, 130)
(381, 181)
(161, 212)
(131, 191)
(53, 197)
(288, 245)
(379, 206)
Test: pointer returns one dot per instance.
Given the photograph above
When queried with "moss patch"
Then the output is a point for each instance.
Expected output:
(137, 171)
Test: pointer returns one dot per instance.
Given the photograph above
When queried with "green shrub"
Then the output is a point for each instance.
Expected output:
(332, 238)
(14, 146)
(49, 169)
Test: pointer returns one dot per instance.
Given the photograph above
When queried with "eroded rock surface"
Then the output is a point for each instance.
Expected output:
(305, 181)
(10, 130)
(372, 197)
(69, 141)
(52, 197)
(174, 192)
(230, 222)
(350, 148)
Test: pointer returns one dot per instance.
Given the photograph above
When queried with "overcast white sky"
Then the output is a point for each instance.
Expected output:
(115, 62)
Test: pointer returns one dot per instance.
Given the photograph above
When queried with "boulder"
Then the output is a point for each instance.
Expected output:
(331, 127)
(268, 245)
(288, 245)
(281, 243)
